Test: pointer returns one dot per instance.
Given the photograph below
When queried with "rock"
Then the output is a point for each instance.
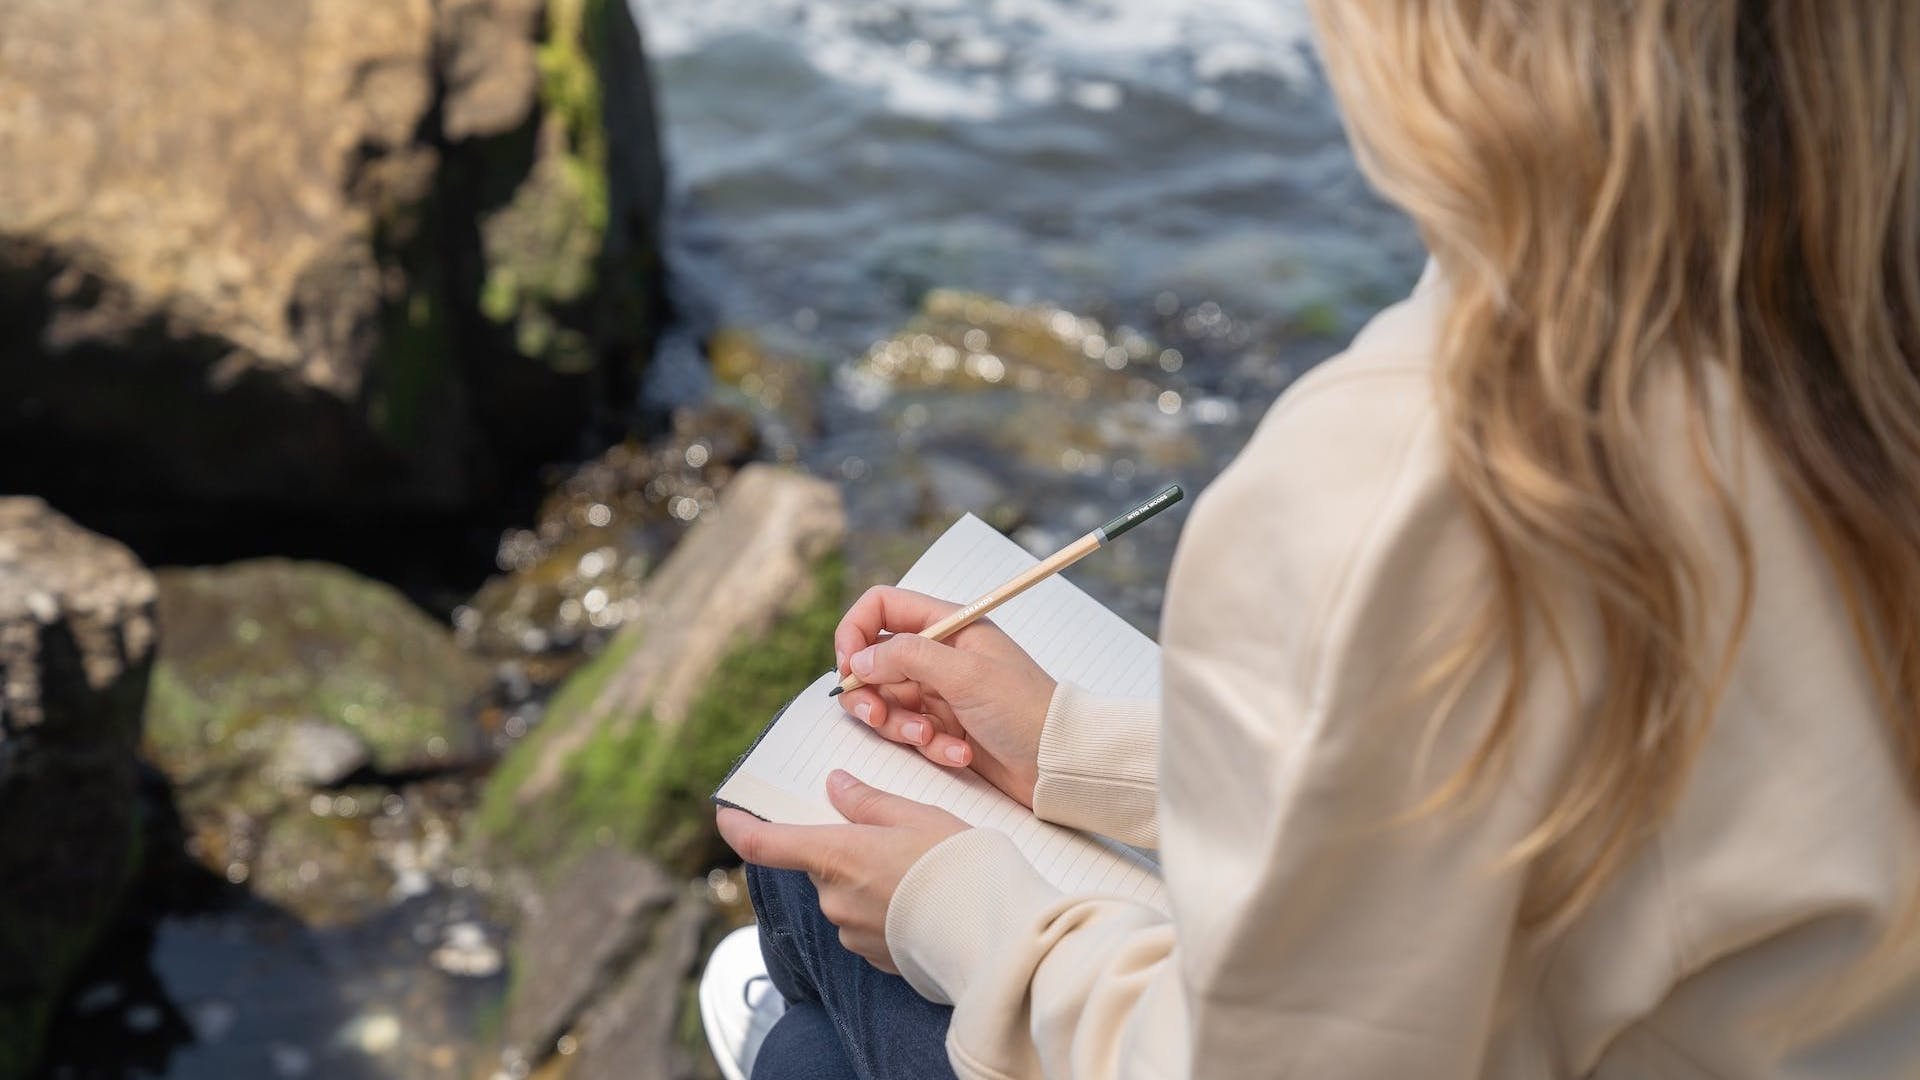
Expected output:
(254, 652)
(781, 391)
(313, 753)
(733, 575)
(324, 868)
(76, 643)
(634, 742)
(400, 252)
(576, 939)
(575, 577)
(1023, 415)
(274, 677)
(965, 341)
(629, 1034)
(1046, 392)
(488, 64)
(1055, 390)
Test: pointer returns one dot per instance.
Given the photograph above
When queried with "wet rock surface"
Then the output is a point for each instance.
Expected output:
(573, 577)
(630, 1033)
(629, 750)
(276, 683)
(781, 392)
(1039, 419)
(76, 642)
(323, 746)
(577, 937)
(273, 646)
(637, 736)
(389, 249)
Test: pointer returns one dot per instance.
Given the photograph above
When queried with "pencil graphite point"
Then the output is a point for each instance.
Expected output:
(836, 691)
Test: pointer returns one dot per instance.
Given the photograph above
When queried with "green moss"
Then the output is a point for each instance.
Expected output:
(689, 1035)
(490, 1016)
(415, 366)
(500, 816)
(57, 945)
(569, 85)
(543, 248)
(262, 642)
(53, 939)
(645, 788)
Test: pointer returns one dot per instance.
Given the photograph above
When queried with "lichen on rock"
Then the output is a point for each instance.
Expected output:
(250, 650)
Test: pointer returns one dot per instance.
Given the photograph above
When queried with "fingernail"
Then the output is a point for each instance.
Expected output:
(957, 754)
(839, 660)
(840, 779)
(863, 663)
(863, 710)
(916, 732)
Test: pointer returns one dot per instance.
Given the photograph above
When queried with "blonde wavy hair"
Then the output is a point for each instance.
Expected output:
(1620, 191)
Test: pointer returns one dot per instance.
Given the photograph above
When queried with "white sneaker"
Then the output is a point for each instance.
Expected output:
(738, 1003)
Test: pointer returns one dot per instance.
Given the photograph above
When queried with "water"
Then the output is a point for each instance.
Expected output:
(832, 161)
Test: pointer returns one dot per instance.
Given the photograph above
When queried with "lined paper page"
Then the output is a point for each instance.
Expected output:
(1069, 634)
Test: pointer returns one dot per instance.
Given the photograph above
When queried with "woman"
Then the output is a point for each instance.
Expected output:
(1542, 682)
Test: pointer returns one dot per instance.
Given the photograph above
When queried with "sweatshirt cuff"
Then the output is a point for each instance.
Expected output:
(1099, 764)
(957, 908)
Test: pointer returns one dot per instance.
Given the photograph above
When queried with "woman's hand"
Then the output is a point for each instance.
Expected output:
(856, 867)
(974, 700)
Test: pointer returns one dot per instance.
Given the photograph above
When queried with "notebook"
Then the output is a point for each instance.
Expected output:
(783, 777)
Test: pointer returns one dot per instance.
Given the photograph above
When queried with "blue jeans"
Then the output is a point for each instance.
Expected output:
(845, 1017)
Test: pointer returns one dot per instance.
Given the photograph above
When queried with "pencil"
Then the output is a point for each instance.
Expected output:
(1037, 573)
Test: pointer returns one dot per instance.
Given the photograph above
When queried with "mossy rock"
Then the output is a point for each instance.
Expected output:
(554, 275)
(250, 648)
(641, 785)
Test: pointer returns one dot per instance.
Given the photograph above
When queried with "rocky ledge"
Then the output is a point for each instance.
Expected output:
(76, 642)
(313, 257)
(598, 816)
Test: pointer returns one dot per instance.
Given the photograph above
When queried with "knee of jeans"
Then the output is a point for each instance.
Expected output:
(785, 908)
(781, 899)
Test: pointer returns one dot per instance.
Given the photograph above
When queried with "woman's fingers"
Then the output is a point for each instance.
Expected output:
(885, 608)
(949, 750)
(893, 712)
(939, 738)
(871, 704)
(865, 705)
(938, 668)
(912, 728)
(936, 706)
(928, 735)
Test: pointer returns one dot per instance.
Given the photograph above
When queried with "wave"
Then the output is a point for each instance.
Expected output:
(976, 60)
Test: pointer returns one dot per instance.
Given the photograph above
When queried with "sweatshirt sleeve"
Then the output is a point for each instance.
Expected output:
(1316, 928)
(1099, 759)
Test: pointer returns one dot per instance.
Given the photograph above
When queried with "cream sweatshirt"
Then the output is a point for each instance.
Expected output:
(1312, 936)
